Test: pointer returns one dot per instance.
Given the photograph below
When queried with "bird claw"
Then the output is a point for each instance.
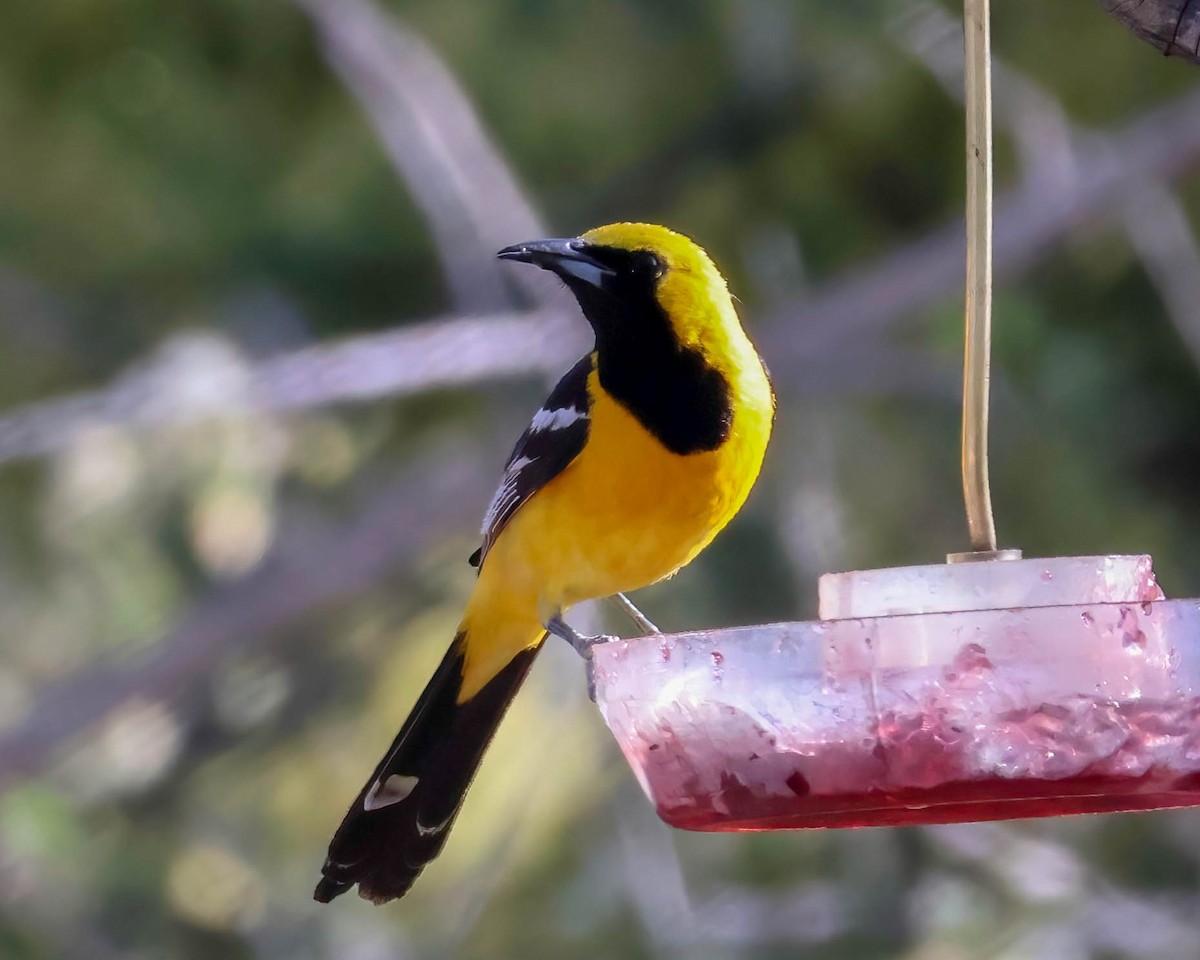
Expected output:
(584, 645)
(580, 643)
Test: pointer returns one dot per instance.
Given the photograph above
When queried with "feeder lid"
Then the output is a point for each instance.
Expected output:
(950, 587)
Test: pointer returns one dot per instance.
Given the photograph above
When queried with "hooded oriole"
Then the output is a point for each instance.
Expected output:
(642, 453)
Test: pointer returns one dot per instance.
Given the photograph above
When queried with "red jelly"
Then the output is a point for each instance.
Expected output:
(923, 707)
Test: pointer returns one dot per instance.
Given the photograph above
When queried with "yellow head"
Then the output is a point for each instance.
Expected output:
(689, 288)
(631, 276)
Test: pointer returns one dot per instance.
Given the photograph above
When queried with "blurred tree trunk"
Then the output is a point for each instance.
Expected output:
(1172, 26)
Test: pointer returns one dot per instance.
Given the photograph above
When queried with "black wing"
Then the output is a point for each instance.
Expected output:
(552, 440)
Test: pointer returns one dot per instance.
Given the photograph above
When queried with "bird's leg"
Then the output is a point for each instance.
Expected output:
(627, 606)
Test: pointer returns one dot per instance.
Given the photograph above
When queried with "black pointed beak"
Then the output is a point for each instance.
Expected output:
(570, 259)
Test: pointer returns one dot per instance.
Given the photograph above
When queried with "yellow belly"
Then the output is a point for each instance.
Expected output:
(627, 511)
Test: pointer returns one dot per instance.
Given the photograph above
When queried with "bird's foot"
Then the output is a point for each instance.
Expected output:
(581, 644)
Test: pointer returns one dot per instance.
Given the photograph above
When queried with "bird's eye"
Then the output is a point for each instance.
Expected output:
(653, 264)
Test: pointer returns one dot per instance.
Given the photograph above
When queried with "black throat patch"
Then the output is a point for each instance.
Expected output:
(671, 389)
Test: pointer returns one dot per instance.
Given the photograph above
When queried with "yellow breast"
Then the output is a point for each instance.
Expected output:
(629, 512)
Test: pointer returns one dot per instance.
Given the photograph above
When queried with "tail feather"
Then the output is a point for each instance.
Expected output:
(401, 817)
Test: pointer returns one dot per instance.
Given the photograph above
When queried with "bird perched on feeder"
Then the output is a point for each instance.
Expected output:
(641, 454)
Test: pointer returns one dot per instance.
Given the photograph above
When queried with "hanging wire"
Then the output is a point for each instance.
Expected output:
(976, 375)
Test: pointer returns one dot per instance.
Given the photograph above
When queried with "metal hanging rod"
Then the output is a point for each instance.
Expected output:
(977, 360)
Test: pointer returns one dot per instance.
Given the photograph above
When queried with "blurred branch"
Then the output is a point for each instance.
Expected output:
(469, 198)
(437, 355)
(197, 377)
(1172, 26)
(1160, 232)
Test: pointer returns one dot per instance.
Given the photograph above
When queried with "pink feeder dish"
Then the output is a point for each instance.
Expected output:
(934, 694)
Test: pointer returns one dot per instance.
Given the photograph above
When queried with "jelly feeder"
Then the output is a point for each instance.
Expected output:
(988, 687)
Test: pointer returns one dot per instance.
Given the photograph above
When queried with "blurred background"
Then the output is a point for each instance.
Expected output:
(259, 373)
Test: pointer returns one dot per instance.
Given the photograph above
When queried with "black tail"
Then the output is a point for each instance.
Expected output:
(401, 818)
